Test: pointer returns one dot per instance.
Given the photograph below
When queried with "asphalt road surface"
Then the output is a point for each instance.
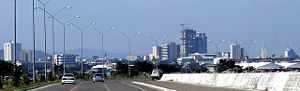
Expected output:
(127, 85)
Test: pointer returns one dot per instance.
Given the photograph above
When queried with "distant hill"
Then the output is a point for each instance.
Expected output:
(88, 53)
(1, 54)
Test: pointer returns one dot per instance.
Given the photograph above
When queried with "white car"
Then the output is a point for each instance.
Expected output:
(98, 78)
(68, 78)
(156, 74)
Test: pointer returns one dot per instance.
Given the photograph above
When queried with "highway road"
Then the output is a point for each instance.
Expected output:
(128, 85)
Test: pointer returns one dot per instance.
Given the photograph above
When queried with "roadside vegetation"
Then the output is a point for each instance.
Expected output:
(15, 77)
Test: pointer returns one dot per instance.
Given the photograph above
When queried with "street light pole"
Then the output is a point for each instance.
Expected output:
(53, 34)
(33, 31)
(102, 48)
(64, 33)
(45, 35)
(16, 83)
(129, 49)
(82, 37)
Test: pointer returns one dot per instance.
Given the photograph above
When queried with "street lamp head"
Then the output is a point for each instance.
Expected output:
(113, 28)
(77, 16)
(165, 36)
(138, 33)
(94, 23)
(69, 7)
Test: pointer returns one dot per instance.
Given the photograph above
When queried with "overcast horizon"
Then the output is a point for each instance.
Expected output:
(274, 23)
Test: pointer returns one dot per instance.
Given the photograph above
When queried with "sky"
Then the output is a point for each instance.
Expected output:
(273, 23)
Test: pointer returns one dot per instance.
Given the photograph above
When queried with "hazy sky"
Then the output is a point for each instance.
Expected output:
(274, 23)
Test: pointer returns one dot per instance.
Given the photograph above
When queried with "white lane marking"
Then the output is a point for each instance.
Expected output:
(153, 86)
(106, 87)
(43, 87)
(75, 86)
(133, 86)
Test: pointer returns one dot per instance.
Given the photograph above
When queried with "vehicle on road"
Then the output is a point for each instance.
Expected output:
(98, 77)
(68, 78)
(156, 74)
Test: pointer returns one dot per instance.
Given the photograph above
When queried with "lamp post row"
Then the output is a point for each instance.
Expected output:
(45, 35)
(53, 36)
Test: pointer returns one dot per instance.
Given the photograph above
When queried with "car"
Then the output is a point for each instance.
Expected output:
(98, 77)
(68, 78)
(156, 74)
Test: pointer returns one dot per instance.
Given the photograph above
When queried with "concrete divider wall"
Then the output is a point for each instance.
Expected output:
(282, 81)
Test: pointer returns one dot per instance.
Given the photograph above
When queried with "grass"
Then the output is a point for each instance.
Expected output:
(12, 88)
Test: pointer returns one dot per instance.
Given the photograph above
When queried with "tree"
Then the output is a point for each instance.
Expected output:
(58, 69)
(200, 69)
(169, 68)
(225, 64)
(25, 80)
(249, 69)
(143, 66)
(122, 68)
(17, 73)
(6, 70)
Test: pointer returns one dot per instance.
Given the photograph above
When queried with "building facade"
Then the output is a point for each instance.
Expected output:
(235, 51)
(264, 52)
(201, 43)
(290, 53)
(169, 51)
(192, 42)
(9, 51)
(156, 53)
(69, 58)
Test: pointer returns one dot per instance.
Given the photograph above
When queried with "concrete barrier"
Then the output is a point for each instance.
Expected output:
(281, 81)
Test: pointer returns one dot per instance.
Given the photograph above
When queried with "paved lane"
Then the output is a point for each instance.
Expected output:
(127, 85)
(89, 86)
(58, 87)
(187, 87)
(109, 85)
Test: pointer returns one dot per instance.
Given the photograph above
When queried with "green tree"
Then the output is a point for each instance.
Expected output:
(143, 66)
(58, 68)
(25, 80)
(225, 65)
(249, 69)
(200, 69)
(169, 68)
(17, 73)
(122, 68)
(6, 70)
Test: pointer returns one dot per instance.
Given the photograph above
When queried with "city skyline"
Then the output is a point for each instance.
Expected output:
(234, 18)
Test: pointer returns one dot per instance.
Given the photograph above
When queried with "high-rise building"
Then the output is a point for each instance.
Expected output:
(264, 52)
(187, 42)
(169, 51)
(192, 42)
(9, 51)
(156, 52)
(26, 56)
(290, 53)
(235, 51)
(201, 43)
(70, 59)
